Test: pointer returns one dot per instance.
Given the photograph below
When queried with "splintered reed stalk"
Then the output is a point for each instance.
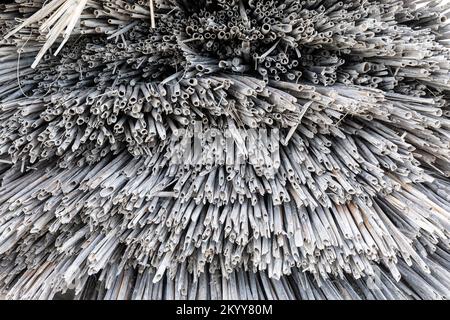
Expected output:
(162, 149)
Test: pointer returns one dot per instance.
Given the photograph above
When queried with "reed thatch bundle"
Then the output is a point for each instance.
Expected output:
(229, 149)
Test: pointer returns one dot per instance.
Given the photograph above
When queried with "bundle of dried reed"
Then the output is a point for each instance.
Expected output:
(225, 149)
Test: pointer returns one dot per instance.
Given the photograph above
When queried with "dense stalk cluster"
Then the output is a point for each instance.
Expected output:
(225, 149)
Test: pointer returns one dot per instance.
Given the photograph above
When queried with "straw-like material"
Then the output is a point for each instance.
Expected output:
(229, 149)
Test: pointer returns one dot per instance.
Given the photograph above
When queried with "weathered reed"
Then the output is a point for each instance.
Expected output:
(224, 149)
